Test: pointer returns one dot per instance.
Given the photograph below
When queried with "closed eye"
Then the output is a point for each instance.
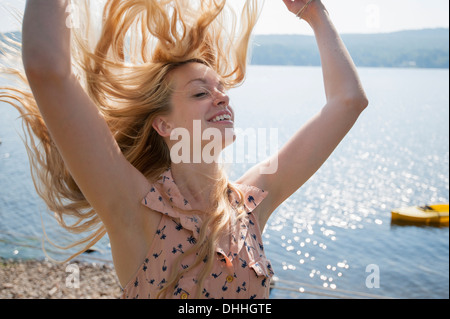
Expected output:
(200, 95)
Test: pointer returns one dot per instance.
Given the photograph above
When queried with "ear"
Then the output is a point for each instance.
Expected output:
(162, 126)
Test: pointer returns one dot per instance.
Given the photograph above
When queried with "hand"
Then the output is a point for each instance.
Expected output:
(295, 6)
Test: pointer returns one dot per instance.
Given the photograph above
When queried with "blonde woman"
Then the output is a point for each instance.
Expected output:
(101, 119)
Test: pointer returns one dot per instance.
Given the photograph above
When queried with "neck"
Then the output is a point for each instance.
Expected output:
(197, 182)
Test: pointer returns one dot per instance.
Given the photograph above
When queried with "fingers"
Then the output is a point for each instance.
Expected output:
(294, 5)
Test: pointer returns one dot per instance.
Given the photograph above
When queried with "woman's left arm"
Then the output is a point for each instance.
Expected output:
(312, 145)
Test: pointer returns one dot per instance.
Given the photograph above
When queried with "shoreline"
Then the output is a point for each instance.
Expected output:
(35, 279)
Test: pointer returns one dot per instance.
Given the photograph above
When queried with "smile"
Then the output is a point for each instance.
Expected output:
(222, 118)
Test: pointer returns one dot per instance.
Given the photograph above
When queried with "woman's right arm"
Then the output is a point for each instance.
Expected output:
(108, 181)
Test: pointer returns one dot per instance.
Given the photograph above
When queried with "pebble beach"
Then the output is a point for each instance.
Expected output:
(32, 279)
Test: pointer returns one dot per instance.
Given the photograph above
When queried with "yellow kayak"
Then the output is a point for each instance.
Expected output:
(428, 215)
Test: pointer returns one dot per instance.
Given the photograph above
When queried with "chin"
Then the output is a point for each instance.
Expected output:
(229, 136)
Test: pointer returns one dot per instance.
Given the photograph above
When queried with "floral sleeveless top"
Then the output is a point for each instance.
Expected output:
(240, 271)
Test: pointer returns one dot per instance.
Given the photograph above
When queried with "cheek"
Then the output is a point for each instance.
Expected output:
(189, 114)
(189, 121)
(185, 112)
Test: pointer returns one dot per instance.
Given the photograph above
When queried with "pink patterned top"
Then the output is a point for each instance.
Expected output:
(240, 270)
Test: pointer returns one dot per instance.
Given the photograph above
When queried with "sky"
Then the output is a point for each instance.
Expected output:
(349, 16)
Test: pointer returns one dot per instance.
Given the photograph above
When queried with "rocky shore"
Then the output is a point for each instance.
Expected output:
(33, 279)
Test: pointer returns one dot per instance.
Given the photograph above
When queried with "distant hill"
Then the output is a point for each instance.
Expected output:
(428, 48)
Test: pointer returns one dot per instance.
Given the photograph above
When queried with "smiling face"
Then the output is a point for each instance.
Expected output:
(198, 97)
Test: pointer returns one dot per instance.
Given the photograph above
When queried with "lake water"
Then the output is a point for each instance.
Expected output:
(334, 236)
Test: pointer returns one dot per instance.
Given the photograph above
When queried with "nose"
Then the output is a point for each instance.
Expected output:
(221, 99)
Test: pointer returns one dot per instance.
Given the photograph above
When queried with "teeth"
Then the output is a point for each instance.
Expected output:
(222, 118)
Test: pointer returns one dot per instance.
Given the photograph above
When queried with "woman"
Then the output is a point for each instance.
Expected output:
(106, 120)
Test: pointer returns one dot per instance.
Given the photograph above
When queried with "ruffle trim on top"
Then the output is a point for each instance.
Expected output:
(165, 197)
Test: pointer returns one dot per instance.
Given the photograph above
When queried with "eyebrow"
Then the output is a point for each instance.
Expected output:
(204, 82)
(197, 80)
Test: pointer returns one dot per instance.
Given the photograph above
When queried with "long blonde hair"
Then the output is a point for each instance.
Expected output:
(124, 66)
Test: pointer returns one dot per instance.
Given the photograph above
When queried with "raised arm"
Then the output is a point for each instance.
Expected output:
(46, 39)
(341, 79)
(110, 184)
(312, 145)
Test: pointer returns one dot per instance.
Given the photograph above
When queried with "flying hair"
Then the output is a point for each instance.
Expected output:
(123, 53)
